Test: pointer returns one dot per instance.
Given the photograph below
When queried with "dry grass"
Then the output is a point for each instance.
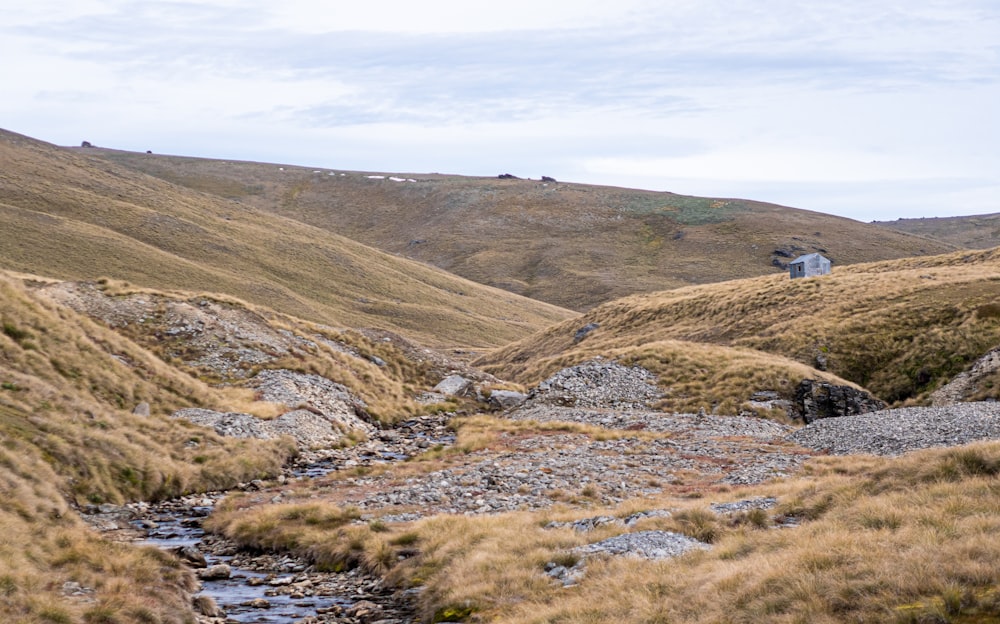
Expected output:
(899, 328)
(67, 436)
(599, 243)
(909, 539)
(74, 216)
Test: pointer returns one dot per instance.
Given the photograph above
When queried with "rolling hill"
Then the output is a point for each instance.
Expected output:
(899, 328)
(66, 215)
(573, 245)
(972, 232)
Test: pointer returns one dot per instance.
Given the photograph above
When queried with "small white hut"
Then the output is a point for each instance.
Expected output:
(809, 265)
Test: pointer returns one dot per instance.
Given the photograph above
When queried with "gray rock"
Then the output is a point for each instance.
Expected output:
(820, 399)
(141, 409)
(191, 556)
(217, 572)
(583, 331)
(506, 399)
(454, 385)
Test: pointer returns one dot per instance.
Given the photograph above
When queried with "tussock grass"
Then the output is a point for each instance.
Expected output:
(907, 539)
(68, 439)
(899, 328)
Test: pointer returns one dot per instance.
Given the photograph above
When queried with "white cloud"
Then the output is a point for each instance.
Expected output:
(828, 106)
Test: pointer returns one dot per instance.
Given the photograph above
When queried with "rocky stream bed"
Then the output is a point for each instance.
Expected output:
(629, 452)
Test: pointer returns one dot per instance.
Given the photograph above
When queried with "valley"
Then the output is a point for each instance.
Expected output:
(243, 392)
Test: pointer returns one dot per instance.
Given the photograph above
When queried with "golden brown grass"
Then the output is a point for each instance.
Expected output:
(899, 328)
(74, 216)
(67, 437)
(908, 539)
(573, 245)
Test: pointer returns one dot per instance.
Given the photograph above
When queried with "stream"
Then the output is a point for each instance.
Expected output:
(278, 589)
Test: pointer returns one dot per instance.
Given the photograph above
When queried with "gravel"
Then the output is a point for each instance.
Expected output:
(897, 431)
(598, 383)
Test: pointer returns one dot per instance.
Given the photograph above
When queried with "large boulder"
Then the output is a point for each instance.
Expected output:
(816, 399)
(455, 385)
(506, 399)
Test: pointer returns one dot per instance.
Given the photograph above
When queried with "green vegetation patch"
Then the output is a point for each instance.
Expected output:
(684, 209)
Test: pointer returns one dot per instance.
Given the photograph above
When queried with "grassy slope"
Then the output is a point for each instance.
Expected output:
(66, 436)
(899, 328)
(67, 439)
(570, 244)
(71, 216)
(973, 232)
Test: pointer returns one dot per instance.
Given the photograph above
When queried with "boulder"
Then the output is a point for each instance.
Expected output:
(141, 409)
(816, 399)
(506, 399)
(455, 385)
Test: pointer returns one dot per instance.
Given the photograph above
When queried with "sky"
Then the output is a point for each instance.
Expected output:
(869, 109)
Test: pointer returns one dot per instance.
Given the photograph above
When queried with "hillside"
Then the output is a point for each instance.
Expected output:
(572, 245)
(899, 328)
(67, 387)
(70, 216)
(972, 232)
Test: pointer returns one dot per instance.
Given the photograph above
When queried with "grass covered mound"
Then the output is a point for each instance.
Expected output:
(898, 328)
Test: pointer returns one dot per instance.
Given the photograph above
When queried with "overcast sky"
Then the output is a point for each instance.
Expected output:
(871, 109)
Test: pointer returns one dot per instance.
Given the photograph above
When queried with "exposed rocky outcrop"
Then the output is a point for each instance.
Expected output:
(820, 399)
(331, 400)
(967, 383)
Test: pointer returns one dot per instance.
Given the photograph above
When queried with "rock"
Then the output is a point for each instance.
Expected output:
(820, 399)
(548, 179)
(256, 603)
(506, 399)
(966, 383)
(583, 331)
(86, 144)
(217, 572)
(454, 385)
(507, 176)
(141, 409)
(365, 610)
(191, 556)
